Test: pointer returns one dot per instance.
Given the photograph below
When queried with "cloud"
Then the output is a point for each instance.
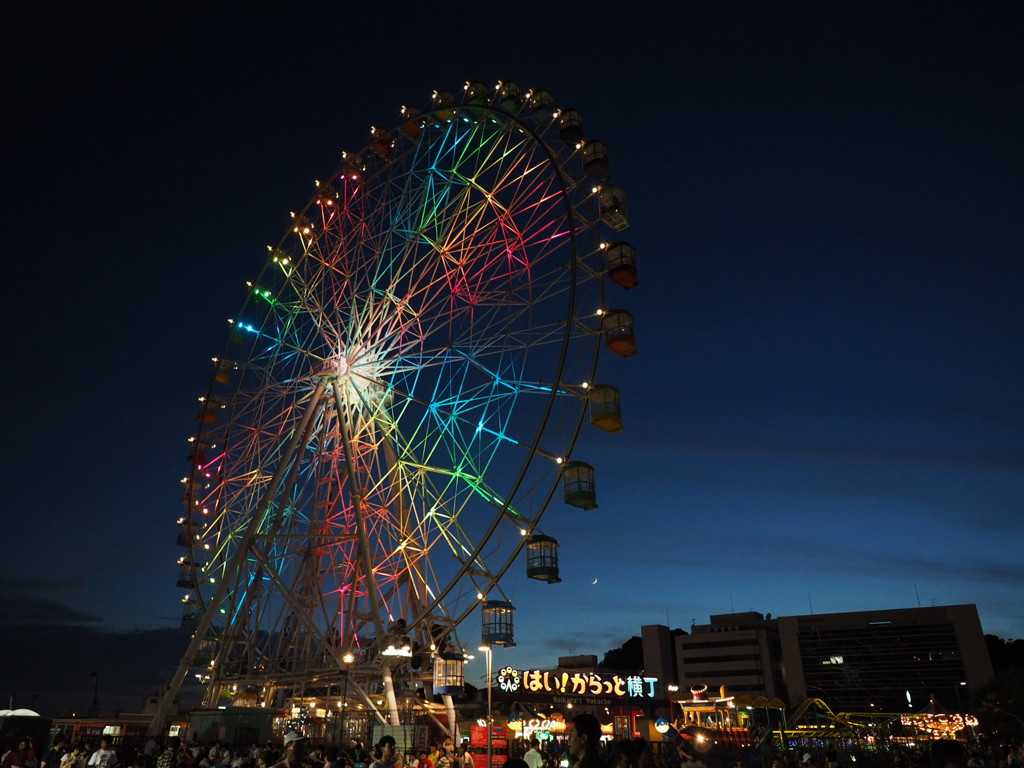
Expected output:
(32, 585)
(32, 612)
(55, 663)
(794, 551)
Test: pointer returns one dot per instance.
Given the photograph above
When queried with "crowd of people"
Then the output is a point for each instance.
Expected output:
(61, 754)
(582, 747)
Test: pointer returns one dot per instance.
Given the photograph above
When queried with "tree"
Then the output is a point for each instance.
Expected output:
(1005, 654)
(629, 656)
(1000, 703)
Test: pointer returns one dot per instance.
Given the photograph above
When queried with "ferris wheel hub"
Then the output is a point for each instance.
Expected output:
(358, 377)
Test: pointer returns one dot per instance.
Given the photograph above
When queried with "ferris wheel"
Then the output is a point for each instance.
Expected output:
(399, 400)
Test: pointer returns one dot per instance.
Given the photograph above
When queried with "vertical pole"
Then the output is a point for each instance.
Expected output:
(449, 708)
(490, 719)
(356, 494)
(344, 708)
(94, 709)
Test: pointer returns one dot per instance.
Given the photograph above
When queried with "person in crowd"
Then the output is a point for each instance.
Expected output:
(533, 757)
(31, 758)
(105, 756)
(584, 737)
(384, 754)
(15, 756)
(51, 757)
(169, 757)
(625, 754)
(295, 748)
(75, 758)
(360, 758)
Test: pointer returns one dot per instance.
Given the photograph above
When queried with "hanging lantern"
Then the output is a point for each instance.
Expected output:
(497, 623)
(449, 674)
(578, 485)
(619, 335)
(542, 558)
(605, 408)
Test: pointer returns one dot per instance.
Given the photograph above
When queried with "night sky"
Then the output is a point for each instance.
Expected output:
(826, 413)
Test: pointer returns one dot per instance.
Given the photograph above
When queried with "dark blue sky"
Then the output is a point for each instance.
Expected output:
(826, 411)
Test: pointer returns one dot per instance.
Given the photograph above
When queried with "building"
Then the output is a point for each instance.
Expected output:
(737, 650)
(855, 662)
(889, 660)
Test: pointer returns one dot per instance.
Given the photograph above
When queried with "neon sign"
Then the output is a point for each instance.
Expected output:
(536, 724)
(512, 680)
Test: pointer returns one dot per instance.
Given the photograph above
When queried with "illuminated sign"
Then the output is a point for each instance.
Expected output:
(511, 680)
(536, 724)
(478, 736)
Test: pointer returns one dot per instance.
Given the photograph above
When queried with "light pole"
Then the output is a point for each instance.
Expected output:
(348, 658)
(487, 650)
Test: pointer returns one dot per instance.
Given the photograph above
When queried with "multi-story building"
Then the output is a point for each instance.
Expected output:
(737, 650)
(890, 660)
(884, 660)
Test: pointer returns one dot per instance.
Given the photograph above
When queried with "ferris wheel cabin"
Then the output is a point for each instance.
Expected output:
(497, 623)
(578, 485)
(619, 334)
(542, 558)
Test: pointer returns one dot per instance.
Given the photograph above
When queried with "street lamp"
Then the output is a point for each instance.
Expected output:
(348, 658)
(672, 688)
(487, 650)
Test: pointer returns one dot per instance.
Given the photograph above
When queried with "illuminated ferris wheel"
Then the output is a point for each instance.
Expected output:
(399, 401)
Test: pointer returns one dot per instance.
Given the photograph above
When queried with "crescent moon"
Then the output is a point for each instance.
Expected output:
(594, 581)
